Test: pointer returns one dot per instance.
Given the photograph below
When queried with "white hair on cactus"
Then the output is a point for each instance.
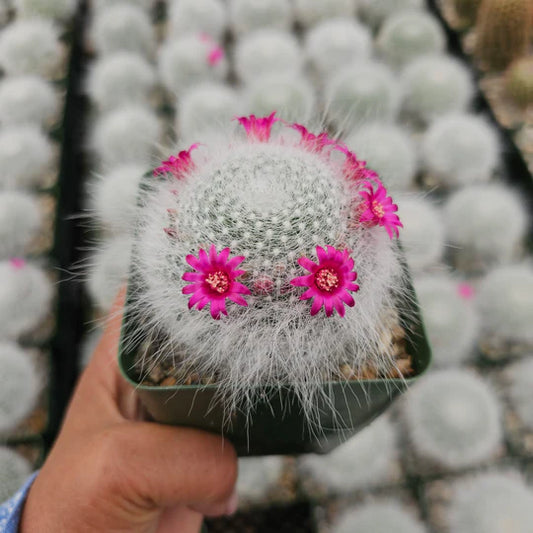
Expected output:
(491, 502)
(389, 150)
(25, 297)
(251, 15)
(378, 516)
(407, 35)
(335, 43)
(258, 476)
(53, 9)
(114, 200)
(146, 5)
(14, 469)
(362, 92)
(374, 12)
(108, 270)
(460, 149)
(30, 46)
(19, 385)
(126, 135)
(20, 221)
(449, 316)
(310, 12)
(205, 106)
(363, 462)
(120, 78)
(27, 99)
(122, 27)
(435, 85)
(197, 16)
(520, 376)
(505, 304)
(189, 61)
(25, 156)
(292, 97)
(267, 51)
(423, 238)
(486, 221)
(299, 198)
(453, 418)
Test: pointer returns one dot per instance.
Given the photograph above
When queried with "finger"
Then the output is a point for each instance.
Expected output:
(226, 508)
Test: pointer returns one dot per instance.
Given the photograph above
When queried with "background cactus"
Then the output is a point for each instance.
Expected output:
(310, 12)
(257, 477)
(197, 16)
(250, 15)
(519, 81)
(14, 469)
(54, 9)
(374, 12)
(520, 377)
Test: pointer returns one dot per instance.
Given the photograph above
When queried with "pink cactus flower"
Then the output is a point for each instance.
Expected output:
(379, 209)
(177, 165)
(312, 142)
(466, 291)
(17, 263)
(215, 55)
(258, 129)
(214, 281)
(330, 281)
(355, 169)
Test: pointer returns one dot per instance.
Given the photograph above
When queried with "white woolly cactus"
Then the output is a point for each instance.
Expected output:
(364, 461)
(30, 46)
(449, 316)
(27, 100)
(14, 469)
(250, 15)
(122, 27)
(520, 391)
(292, 97)
(119, 79)
(256, 251)
(25, 156)
(505, 304)
(453, 419)
(197, 16)
(389, 150)
(267, 51)
(486, 224)
(363, 92)
(128, 134)
(374, 12)
(335, 43)
(25, 297)
(206, 106)
(492, 502)
(407, 35)
(146, 5)
(435, 85)
(19, 385)
(378, 517)
(54, 9)
(190, 60)
(20, 221)
(258, 476)
(310, 12)
(460, 149)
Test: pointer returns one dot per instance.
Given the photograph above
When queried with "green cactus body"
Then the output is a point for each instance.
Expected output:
(519, 82)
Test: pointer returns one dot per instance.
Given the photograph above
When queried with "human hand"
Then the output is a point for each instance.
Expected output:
(111, 472)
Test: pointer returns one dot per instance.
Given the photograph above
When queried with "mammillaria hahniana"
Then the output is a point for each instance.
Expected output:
(14, 469)
(249, 15)
(197, 16)
(55, 9)
(310, 12)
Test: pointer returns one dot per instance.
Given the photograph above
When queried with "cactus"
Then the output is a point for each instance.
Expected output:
(53, 9)
(374, 12)
(302, 217)
(20, 221)
(189, 61)
(146, 5)
(460, 149)
(436, 85)
(449, 317)
(127, 135)
(389, 151)
(453, 419)
(88, 345)
(485, 224)
(360, 93)
(467, 10)
(119, 79)
(378, 516)
(363, 462)
(504, 302)
(520, 377)
(251, 15)
(311, 12)
(503, 32)
(267, 51)
(30, 47)
(122, 27)
(25, 157)
(335, 43)
(197, 16)
(491, 502)
(519, 82)
(292, 97)
(257, 477)
(14, 469)
(423, 236)
(407, 35)
(27, 100)
(19, 386)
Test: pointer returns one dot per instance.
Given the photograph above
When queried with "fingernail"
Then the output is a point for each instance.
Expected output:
(232, 504)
